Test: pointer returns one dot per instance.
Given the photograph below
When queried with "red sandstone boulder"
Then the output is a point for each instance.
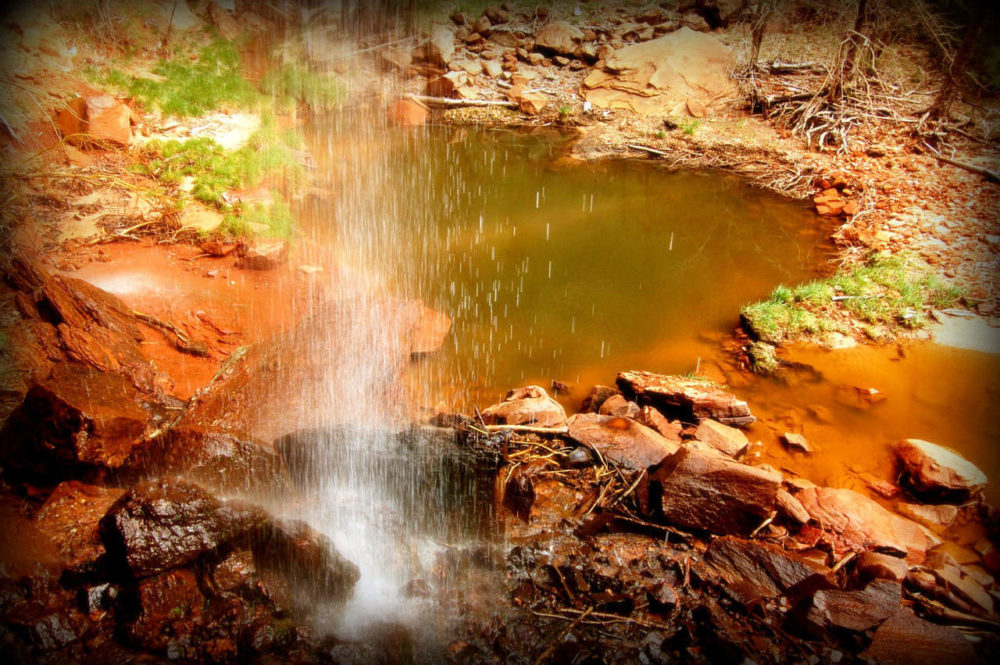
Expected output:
(430, 332)
(727, 440)
(529, 405)
(657, 422)
(618, 406)
(875, 565)
(855, 610)
(265, 254)
(70, 517)
(78, 422)
(217, 460)
(621, 440)
(756, 570)
(905, 639)
(791, 508)
(108, 120)
(935, 470)
(559, 37)
(711, 492)
(691, 400)
(863, 523)
(408, 113)
(439, 47)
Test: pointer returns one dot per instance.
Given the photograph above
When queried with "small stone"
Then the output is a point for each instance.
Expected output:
(796, 442)
(727, 440)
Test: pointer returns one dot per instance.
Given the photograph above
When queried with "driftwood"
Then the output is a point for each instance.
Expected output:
(778, 67)
(644, 148)
(447, 102)
(992, 176)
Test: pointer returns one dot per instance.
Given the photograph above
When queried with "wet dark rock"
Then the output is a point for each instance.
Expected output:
(727, 440)
(905, 639)
(519, 493)
(240, 574)
(863, 523)
(218, 460)
(78, 422)
(662, 596)
(98, 598)
(935, 471)
(416, 588)
(713, 493)
(754, 570)
(529, 405)
(856, 610)
(164, 524)
(691, 400)
(596, 397)
(618, 406)
(580, 456)
(169, 606)
(44, 629)
(306, 557)
(70, 518)
(621, 440)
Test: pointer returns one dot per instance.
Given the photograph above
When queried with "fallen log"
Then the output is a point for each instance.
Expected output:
(447, 102)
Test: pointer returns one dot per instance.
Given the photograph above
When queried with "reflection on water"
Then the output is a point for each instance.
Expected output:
(557, 272)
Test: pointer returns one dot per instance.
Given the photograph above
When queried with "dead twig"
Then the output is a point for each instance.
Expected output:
(545, 655)
(992, 176)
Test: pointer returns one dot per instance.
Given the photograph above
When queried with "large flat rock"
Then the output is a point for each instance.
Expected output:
(621, 440)
(689, 399)
(710, 492)
(863, 523)
(931, 469)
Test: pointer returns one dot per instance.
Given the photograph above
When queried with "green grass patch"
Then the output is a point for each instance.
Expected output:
(186, 87)
(689, 126)
(277, 218)
(886, 293)
(292, 84)
(269, 154)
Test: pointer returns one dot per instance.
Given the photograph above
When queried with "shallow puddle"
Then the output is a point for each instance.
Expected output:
(925, 391)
